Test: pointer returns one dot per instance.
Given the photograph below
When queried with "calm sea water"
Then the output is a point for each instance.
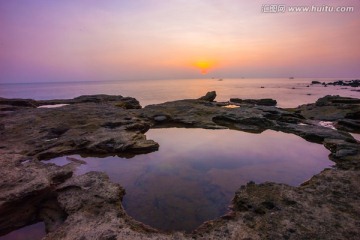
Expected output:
(195, 173)
(288, 92)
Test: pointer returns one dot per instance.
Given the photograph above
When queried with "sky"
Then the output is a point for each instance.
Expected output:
(90, 40)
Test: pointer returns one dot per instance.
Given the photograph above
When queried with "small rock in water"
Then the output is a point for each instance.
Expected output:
(315, 82)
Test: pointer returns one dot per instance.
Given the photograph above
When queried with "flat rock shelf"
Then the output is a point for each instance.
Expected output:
(176, 154)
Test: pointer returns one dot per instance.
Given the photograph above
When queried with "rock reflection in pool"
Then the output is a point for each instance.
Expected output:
(193, 176)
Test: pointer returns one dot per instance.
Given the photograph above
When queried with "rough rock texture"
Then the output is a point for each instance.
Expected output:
(325, 207)
(89, 206)
(27, 192)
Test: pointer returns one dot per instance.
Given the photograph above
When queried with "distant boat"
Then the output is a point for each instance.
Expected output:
(220, 79)
(291, 77)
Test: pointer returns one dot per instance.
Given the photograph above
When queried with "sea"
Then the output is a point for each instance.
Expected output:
(288, 92)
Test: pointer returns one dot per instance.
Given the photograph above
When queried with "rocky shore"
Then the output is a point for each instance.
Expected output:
(89, 206)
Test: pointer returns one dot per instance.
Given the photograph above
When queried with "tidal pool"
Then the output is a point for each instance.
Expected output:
(32, 232)
(195, 173)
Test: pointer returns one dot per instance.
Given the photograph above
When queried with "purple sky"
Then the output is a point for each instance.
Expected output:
(68, 40)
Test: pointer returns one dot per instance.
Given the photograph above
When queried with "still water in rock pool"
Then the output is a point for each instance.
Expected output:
(32, 232)
(195, 173)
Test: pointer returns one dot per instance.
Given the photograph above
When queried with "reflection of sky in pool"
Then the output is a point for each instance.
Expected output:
(32, 232)
(193, 176)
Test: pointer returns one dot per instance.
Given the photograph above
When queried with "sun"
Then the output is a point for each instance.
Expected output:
(204, 66)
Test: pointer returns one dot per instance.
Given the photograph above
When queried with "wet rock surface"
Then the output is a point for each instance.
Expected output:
(89, 206)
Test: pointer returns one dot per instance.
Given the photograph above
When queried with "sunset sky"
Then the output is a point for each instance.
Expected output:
(69, 40)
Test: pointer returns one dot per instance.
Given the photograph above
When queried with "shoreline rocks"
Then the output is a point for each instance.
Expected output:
(350, 83)
(89, 206)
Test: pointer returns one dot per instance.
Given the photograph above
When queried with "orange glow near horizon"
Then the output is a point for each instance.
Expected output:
(204, 71)
(204, 66)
